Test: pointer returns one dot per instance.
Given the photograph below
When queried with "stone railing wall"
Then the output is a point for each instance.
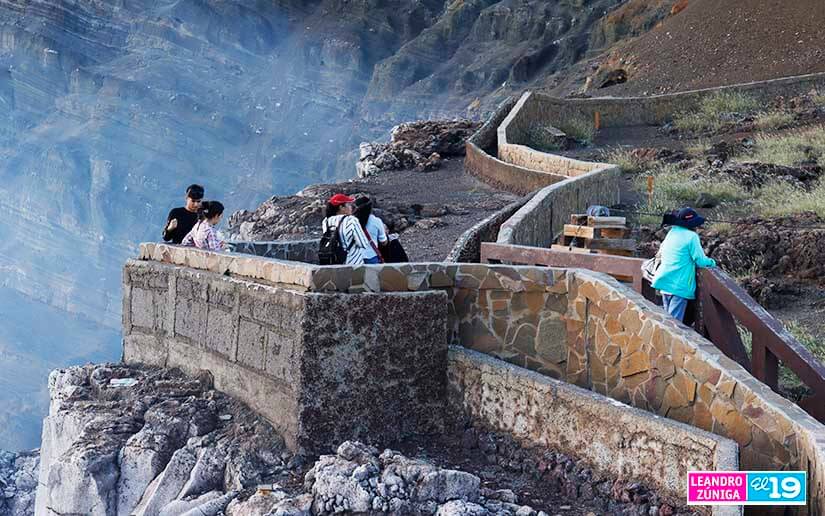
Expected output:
(544, 110)
(292, 250)
(293, 355)
(468, 246)
(616, 439)
(263, 329)
(513, 136)
(584, 328)
(543, 217)
(481, 160)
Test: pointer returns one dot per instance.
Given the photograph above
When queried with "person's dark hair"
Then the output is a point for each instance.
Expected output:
(332, 210)
(363, 210)
(194, 192)
(209, 209)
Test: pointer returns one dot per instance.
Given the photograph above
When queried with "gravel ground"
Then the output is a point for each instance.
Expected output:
(713, 43)
(432, 209)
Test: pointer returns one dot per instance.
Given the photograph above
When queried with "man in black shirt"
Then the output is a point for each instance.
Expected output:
(181, 220)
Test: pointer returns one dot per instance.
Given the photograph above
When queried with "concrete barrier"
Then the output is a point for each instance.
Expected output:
(618, 440)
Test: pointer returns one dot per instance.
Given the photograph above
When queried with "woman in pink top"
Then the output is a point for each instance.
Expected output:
(203, 235)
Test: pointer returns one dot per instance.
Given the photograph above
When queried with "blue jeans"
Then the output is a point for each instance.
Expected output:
(675, 306)
(374, 259)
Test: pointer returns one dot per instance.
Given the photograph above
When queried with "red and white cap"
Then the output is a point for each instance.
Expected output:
(339, 199)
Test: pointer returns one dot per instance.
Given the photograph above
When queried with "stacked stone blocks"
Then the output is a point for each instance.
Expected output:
(284, 351)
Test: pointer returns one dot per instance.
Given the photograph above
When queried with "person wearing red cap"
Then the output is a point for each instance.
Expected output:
(340, 220)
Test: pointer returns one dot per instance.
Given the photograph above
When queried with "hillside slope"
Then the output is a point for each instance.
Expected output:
(713, 43)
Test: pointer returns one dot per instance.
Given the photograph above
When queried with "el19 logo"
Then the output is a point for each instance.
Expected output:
(776, 487)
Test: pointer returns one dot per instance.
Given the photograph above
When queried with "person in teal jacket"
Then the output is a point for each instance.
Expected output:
(681, 252)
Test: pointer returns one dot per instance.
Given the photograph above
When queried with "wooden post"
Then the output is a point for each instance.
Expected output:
(597, 120)
(649, 192)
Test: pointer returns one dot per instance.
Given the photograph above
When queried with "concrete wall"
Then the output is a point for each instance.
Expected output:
(616, 439)
(657, 109)
(293, 250)
(317, 366)
(543, 217)
(481, 160)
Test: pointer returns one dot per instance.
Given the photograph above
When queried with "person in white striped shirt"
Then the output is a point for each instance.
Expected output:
(353, 239)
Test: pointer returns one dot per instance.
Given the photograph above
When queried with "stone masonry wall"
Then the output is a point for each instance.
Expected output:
(481, 162)
(293, 250)
(616, 439)
(544, 216)
(292, 355)
(589, 330)
(658, 109)
(513, 143)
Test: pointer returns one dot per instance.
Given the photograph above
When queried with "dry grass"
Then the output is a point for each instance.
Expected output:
(791, 149)
(699, 147)
(709, 115)
(674, 188)
(580, 128)
(782, 199)
(627, 161)
(818, 100)
(768, 120)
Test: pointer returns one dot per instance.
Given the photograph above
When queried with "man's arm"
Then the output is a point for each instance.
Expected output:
(167, 231)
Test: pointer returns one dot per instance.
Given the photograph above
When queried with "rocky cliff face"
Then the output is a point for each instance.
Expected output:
(18, 481)
(125, 440)
(110, 109)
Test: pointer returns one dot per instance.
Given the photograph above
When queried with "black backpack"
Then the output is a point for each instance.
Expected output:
(330, 250)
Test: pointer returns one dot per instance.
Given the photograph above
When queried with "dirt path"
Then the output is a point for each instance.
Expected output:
(430, 210)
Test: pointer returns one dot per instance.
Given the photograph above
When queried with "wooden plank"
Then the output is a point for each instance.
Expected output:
(579, 231)
(560, 256)
(624, 244)
(616, 252)
(606, 221)
(571, 249)
(614, 232)
(771, 341)
(721, 330)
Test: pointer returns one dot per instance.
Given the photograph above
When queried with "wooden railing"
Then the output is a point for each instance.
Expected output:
(721, 305)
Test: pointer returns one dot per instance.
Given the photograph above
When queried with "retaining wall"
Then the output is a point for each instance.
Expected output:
(293, 250)
(481, 160)
(543, 110)
(584, 328)
(543, 217)
(616, 439)
(321, 368)
(468, 246)
(513, 136)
